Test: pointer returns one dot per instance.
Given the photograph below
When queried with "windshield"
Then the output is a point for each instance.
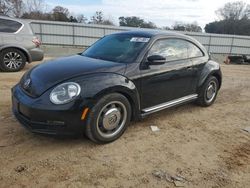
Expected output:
(118, 48)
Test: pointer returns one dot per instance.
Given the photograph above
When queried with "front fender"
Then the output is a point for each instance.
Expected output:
(210, 68)
(95, 86)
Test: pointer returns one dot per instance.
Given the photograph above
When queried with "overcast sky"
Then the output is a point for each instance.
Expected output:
(161, 12)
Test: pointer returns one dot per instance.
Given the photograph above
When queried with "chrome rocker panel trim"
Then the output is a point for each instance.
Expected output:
(169, 104)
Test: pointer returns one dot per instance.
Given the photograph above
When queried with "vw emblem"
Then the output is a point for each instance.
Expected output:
(27, 83)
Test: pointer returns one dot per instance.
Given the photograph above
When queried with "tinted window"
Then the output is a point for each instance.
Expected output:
(9, 26)
(118, 48)
(194, 51)
(175, 49)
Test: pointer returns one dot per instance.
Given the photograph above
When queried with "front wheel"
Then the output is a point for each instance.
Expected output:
(109, 118)
(12, 60)
(208, 92)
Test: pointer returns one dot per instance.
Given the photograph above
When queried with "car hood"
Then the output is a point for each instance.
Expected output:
(47, 75)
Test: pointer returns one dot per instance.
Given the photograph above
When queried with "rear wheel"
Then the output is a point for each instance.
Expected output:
(12, 60)
(208, 92)
(109, 118)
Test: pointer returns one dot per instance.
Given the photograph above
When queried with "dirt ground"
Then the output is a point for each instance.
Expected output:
(206, 146)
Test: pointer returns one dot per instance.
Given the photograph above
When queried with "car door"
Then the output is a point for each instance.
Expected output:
(171, 80)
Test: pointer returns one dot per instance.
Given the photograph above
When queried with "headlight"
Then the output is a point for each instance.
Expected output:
(65, 93)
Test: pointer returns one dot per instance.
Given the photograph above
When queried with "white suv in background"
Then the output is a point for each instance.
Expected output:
(18, 44)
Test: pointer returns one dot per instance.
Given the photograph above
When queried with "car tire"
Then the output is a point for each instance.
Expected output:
(208, 92)
(12, 60)
(108, 119)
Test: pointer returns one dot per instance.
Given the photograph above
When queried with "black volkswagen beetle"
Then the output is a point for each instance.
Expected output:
(122, 77)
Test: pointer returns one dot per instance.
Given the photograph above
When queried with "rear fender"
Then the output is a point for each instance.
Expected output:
(211, 68)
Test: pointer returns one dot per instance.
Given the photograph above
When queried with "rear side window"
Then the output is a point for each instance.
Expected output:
(9, 26)
(194, 51)
(171, 49)
(175, 49)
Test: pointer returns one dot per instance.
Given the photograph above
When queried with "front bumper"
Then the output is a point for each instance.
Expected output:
(49, 118)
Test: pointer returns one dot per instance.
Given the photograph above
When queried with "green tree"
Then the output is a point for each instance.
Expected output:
(37, 16)
(179, 27)
(73, 19)
(81, 18)
(193, 27)
(36, 9)
(166, 28)
(234, 19)
(60, 14)
(234, 11)
(97, 18)
(107, 22)
(134, 21)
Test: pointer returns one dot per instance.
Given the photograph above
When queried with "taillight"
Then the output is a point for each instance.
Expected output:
(37, 42)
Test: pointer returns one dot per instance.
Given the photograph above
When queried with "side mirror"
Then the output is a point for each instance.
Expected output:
(156, 60)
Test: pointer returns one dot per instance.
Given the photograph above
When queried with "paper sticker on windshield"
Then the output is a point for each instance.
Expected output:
(139, 39)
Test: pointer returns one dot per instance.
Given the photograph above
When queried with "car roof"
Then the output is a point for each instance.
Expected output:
(152, 33)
